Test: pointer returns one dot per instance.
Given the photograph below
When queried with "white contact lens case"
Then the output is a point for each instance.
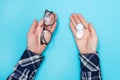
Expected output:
(79, 33)
(79, 27)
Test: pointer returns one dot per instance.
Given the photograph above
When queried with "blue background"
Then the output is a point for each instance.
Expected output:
(61, 56)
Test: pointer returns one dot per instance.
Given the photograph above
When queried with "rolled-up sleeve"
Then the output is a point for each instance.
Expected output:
(26, 66)
(90, 67)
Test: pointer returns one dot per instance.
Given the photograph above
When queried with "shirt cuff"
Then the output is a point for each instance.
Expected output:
(89, 62)
(31, 59)
(26, 67)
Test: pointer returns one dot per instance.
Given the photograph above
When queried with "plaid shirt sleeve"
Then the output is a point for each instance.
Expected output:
(90, 67)
(26, 67)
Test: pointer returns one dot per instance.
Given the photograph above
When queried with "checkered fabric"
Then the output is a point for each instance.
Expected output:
(90, 67)
(26, 67)
(29, 63)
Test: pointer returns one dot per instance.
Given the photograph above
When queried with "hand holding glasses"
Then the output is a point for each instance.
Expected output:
(48, 21)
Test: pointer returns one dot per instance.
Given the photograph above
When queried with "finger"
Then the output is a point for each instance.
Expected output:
(53, 27)
(73, 21)
(38, 33)
(83, 21)
(39, 27)
(91, 30)
(55, 16)
(76, 19)
(86, 34)
(48, 27)
(40, 24)
(72, 28)
(34, 26)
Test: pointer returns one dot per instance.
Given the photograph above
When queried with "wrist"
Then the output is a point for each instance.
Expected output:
(86, 51)
(34, 51)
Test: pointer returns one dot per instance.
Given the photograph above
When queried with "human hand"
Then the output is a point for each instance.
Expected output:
(88, 43)
(34, 35)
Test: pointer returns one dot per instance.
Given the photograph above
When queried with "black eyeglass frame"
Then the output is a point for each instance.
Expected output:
(44, 28)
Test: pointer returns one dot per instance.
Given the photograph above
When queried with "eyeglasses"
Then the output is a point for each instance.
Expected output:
(49, 18)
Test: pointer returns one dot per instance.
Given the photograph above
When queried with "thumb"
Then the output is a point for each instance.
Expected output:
(39, 30)
(91, 30)
(33, 27)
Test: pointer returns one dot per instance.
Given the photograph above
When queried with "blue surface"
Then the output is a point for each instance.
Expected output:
(61, 56)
